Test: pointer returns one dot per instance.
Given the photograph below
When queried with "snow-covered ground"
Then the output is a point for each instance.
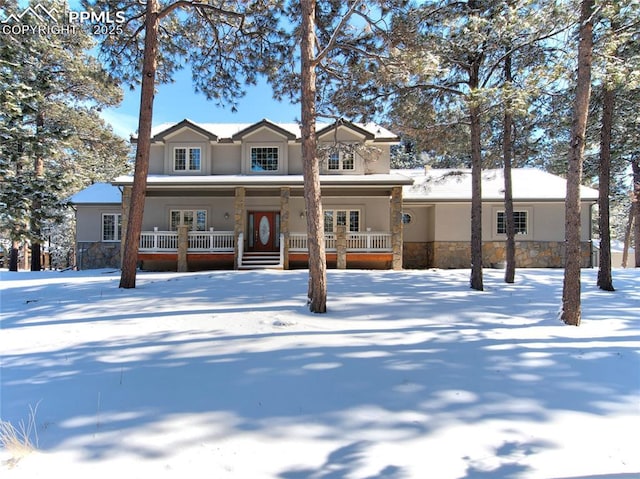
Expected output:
(410, 375)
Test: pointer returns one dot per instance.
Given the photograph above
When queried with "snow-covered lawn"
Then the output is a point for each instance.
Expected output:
(410, 375)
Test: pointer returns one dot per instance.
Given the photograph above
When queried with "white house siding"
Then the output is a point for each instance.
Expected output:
(295, 159)
(91, 251)
(226, 159)
(157, 211)
(156, 160)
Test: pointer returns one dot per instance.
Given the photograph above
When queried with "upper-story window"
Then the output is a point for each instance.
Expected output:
(186, 159)
(341, 160)
(264, 158)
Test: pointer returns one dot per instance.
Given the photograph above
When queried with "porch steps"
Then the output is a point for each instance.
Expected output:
(261, 260)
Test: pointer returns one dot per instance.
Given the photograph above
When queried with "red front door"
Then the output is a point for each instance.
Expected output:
(263, 231)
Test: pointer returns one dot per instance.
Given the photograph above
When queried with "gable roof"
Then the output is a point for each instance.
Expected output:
(228, 132)
(529, 184)
(162, 134)
(264, 124)
(97, 194)
(368, 135)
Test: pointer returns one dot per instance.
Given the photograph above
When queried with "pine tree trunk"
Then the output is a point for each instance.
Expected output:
(36, 206)
(605, 279)
(317, 293)
(145, 119)
(14, 256)
(571, 313)
(627, 235)
(635, 165)
(507, 151)
(476, 186)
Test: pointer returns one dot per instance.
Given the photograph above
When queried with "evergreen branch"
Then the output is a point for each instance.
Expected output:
(336, 32)
(186, 4)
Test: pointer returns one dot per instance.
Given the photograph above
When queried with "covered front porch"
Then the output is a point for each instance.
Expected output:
(214, 225)
(188, 250)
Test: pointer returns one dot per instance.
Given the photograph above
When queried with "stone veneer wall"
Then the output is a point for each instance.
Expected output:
(417, 255)
(457, 254)
(94, 255)
(529, 254)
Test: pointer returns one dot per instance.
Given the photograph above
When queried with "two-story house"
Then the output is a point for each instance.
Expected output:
(238, 190)
(231, 196)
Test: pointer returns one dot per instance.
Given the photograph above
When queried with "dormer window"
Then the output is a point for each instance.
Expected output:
(341, 160)
(186, 159)
(264, 158)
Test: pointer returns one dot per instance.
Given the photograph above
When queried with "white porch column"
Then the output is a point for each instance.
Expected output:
(238, 221)
(285, 194)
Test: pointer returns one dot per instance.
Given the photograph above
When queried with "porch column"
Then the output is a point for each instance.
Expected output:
(126, 201)
(341, 247)
(183, 246)
(285, 194)
(238, 223)
(396, 226)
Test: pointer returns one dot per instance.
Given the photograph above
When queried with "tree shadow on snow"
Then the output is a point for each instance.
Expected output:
(430, 353)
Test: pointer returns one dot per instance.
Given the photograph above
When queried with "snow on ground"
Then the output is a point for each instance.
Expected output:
(410, 375)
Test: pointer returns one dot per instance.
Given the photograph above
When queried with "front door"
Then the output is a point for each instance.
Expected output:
(264, 231)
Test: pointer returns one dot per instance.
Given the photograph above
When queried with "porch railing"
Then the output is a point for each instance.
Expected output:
(223, 241)
(199, 241)
(368, 241)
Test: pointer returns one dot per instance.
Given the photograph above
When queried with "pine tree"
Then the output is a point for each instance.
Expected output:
(223, 44)
(51, 90)
(571, 310)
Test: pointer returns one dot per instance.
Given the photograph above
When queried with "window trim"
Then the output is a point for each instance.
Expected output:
(340, 161)
(279, 159)
(195, 212)
(117, 230)
(348, 212)
(187, 159)
(517, 210)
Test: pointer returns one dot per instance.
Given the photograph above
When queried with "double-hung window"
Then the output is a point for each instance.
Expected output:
(341, 160)
(111, 227)
(186, 159)
(520, 221)
(196, 220)
(335, 218)
(264, 158)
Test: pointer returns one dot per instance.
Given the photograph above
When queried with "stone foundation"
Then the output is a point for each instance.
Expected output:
(417, 255)
(457, 254)
(97, 255)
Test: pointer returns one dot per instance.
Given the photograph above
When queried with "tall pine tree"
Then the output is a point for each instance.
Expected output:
(51, 90)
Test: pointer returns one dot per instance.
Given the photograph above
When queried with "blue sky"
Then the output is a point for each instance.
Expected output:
(177, 101)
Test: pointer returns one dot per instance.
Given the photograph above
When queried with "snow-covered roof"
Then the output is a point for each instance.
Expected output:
(225, 131)
(98, 193)
(224, 181)
(529, 184)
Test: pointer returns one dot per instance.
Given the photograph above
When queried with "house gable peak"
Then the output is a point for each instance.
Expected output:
(264, 123)
(168, 130)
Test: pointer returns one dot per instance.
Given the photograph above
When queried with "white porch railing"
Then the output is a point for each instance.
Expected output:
(199, 241)
(223, 241)
(369, 241)
(211, 241)
(159, 241)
